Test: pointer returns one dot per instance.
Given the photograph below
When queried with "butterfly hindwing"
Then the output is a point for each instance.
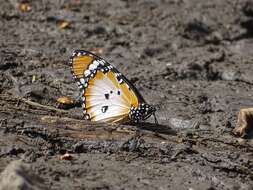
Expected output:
(106, 101)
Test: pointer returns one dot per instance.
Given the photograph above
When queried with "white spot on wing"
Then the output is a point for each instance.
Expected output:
(82, 80)
(92, 67)
(86, 73)
(96, 63)
(102, 62)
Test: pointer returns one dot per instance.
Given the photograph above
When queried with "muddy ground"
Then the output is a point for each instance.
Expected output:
(193, 59)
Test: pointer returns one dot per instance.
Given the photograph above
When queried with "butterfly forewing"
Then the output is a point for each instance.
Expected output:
(80, 64)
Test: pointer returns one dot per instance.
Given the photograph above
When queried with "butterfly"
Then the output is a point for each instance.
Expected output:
(106, 94)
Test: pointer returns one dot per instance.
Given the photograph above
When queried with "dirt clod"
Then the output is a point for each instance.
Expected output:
(18, 176)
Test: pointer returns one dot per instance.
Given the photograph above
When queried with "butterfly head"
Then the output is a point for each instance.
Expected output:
(142, 112)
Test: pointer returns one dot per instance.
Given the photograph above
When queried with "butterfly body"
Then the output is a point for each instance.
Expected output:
(106, 94)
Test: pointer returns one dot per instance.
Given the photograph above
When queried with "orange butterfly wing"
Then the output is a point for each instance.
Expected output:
(105, 95)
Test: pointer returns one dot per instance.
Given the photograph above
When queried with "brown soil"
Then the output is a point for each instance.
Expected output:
(193, 59)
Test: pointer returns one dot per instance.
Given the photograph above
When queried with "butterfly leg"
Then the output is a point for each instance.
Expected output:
(156, 121)
(78, 98)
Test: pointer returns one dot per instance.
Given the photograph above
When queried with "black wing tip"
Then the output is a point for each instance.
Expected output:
(76, 53)
(80, 52)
